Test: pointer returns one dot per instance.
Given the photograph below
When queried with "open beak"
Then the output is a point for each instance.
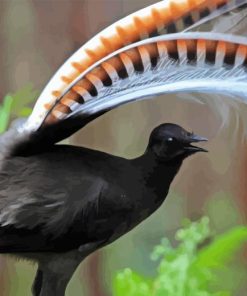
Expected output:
(194, 139)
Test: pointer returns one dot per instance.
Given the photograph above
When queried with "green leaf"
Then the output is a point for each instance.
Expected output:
(188, 269)
(130, 283)
(25, 112)
(16, 105)
(22, 98)
(222, 293)
(221, 250)
(5, 113)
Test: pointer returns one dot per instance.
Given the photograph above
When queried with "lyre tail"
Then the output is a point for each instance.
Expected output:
(169, 16)
(185, 62)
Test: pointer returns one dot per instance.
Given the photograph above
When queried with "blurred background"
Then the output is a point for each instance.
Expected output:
(36, 37)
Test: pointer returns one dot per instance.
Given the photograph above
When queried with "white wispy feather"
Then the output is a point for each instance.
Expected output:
(234, 23)
(221, 15)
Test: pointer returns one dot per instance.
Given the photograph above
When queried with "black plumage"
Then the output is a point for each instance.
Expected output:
(65, 202)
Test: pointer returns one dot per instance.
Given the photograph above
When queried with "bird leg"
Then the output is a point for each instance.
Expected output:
(50, 283)
(53, 284)
(37, 284)
(55, 270)
(54, 273)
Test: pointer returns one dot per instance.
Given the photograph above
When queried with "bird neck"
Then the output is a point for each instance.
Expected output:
(157, 174)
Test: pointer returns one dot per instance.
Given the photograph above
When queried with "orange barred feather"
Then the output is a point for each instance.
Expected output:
(163, 17)
(204, 51)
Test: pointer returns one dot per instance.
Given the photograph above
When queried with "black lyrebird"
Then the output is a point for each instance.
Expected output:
(60, 205)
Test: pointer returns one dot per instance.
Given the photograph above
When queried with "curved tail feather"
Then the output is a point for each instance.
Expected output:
(169, 16)
(185, 62)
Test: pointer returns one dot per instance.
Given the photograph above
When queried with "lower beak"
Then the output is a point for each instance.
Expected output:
(195, 139)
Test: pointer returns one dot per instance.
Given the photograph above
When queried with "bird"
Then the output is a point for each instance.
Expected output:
(60, 203)
(66, 200)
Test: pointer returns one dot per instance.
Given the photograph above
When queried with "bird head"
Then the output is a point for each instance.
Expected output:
(171, 142)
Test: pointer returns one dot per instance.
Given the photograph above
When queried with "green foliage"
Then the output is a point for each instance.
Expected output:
(16, 105)
(5, 111)
(190, 269)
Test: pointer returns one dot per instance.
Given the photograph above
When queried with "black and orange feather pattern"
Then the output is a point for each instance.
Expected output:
(211, 58)
(163, 17)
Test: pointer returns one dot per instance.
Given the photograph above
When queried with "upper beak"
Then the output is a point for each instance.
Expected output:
(194, 139)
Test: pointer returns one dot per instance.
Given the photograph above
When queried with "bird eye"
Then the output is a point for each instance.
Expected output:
(170, 139)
